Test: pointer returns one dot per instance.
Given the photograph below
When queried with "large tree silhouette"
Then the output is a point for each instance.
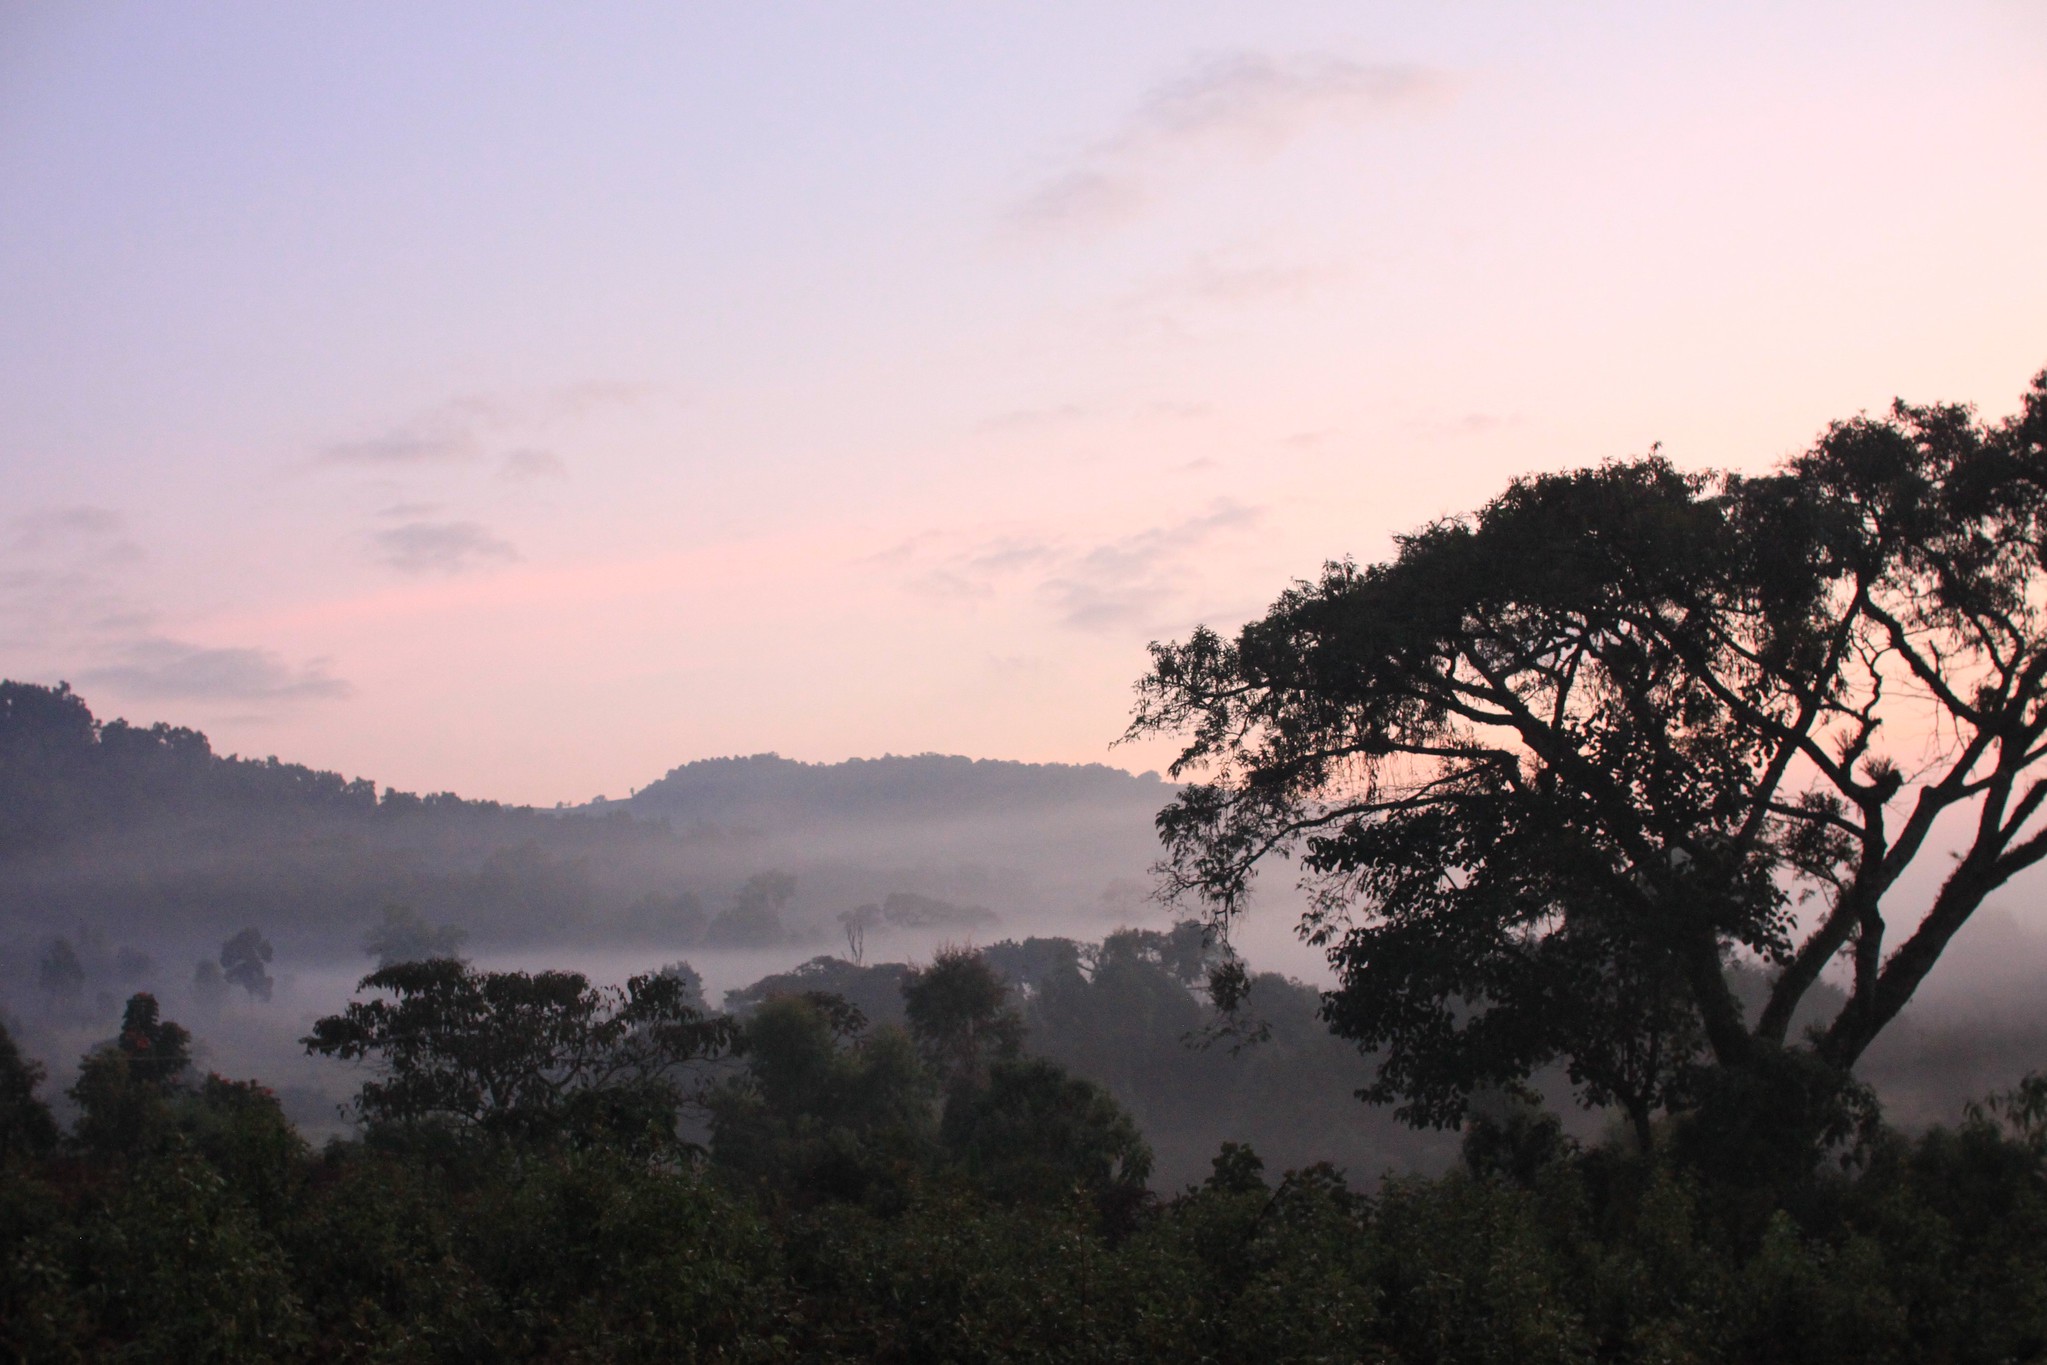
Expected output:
(1561, 771)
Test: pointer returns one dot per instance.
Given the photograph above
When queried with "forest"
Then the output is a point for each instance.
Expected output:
(547, 1170)
(1637, 816)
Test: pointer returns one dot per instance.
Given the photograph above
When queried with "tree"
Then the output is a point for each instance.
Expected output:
(827, 1108)
(959, 1013)
(755, 919)
(60, 972)
(26, 1128)
(1559, 769)
(540, 1057)
(241, 963)
(1035, 1132)
(402, 934)
(124, 1087)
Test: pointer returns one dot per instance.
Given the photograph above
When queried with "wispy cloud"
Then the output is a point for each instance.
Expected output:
(1241, 104)
(404, 446)
(440, 546)
(1133, 582)
(1026, 420)
(1215, 279)
(161, 668)
(33, 529)
(521, 465)
(72, 604)
(83, 534)
(467, 426)
(1122, 584)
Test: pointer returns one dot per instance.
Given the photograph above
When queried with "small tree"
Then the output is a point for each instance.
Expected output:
(402, 934)
(242, 960)
(60, 972)
(755, 919)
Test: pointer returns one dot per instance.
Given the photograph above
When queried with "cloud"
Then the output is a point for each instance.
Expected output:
(1209, 279)
(532, 464)
(1124, 583)
(161, 668)
(81, 533)
(402, 447)
(1083, 199)
(1130, 582)
(440, 546)
(593, 395)
(1037, 419)
(64, 523)
(1243, 104)
(468, 425)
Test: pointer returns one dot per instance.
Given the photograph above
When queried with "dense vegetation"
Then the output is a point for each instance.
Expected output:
(524, 1185)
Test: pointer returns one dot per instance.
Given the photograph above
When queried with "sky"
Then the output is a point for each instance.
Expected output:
(525, 399)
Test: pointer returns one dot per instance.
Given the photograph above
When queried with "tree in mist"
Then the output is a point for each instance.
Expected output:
(1557, 768)
(544, 1057)
(242, 961)
(402, 934)
(123, 1087)
(855, 923)
(827, 1108)
(959, 1013)
(59, 971)
(755, 919)
(690, 982)
(209, 987)
(26, 1128)
(1035, 1131)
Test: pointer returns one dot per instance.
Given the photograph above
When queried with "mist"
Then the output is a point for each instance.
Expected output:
(135, 860)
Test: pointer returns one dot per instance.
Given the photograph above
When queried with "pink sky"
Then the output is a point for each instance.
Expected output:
(523, 401)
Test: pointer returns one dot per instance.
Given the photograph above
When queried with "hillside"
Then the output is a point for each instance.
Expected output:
(145, 835)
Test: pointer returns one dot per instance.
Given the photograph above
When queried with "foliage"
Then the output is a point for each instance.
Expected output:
(2020, 1111)
(1034, 1132)
(124, 1087)
(223, 1238)
(60, 972)
(242, 960)
(545, 1057)
(826, 1109)
(1556, 768)
(402, 934)
(26, 1128)
(958, 1009)
(755, 919)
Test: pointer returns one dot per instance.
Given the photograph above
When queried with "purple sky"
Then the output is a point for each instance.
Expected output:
(524, 399)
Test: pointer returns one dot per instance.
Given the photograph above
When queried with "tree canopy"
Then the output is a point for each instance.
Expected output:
(1558, 771)
(541, 1056)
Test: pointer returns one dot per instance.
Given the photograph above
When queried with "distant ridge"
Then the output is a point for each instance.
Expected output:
(926, 785)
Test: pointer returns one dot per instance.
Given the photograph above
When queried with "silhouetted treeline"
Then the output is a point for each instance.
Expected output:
(524, 1187)
(65, 775)
(930, 785)
(144, 835)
